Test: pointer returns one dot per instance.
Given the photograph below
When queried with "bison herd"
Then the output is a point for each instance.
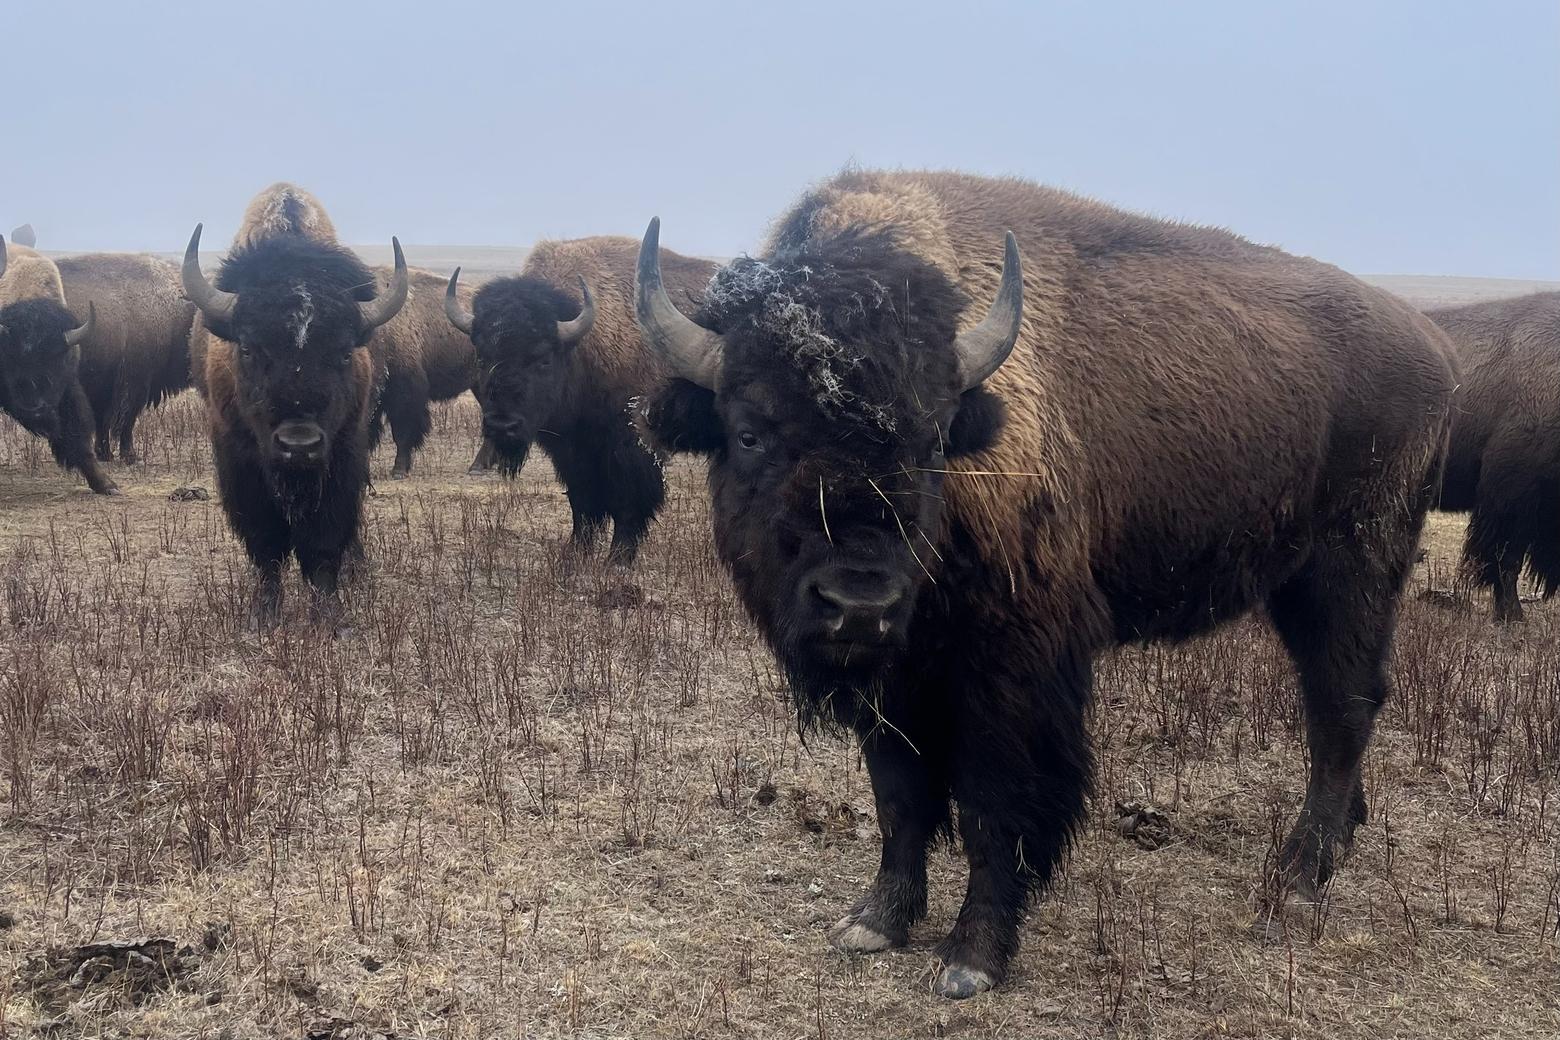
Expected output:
(962, 435)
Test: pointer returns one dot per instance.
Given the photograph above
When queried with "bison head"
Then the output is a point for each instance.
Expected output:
(298, 313)
(40, 349)
(829, 385)
(525, 331)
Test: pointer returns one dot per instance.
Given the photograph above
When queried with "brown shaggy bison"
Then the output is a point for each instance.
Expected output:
(417, 357)
(40, 359)
(138, 353)
(420, 359)
(560, 370)
(289, 385)
(1504, 463)
(942, 487)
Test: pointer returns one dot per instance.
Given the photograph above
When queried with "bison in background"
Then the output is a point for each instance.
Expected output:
(942, 488)
(25, 236)
(417, 357)
(289, 385)
(1504, 464)
(420, 359)
(40, 356)
(138, 353)
(559, 370)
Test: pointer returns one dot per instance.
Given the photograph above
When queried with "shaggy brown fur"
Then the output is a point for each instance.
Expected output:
(138, 351)
(1195, 427)
(40, 381)
(281, 209)
(419, 357)
(1505, 458)
(573, 399)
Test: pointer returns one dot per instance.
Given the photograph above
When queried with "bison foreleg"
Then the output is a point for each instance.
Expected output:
(912, 803)
(1021, 772)
(71, 442)
(484, 460)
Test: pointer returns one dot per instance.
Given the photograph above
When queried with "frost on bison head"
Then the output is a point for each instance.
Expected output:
(829, 385)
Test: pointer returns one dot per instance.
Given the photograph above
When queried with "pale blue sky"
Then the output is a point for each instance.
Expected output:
(1388, 137)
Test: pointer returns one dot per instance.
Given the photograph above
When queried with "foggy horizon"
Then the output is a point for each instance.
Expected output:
(1391, 140)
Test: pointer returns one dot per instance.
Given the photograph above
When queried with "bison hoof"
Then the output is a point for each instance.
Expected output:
(956, 982)
(111, 490)
(399, 474)
(852, 936)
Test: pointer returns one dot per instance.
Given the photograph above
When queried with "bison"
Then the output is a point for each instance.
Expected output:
(560, 371)
(138, 353)
(289, 383)
(942, 486)
(40, 356)
(420, 358)
(25, 236)
(416, 356)
(1504, 463)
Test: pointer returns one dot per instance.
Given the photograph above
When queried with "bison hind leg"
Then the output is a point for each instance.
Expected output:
(1336, 617)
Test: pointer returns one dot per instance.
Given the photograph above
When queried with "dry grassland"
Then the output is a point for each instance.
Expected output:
(521, 801)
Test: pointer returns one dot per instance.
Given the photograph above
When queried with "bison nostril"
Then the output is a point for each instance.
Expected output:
(299, 439)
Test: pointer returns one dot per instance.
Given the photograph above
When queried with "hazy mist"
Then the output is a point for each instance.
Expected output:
(1384, 137)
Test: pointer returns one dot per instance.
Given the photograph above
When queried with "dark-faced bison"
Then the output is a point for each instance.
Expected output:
(942, 488)
(138, 352)
(559, 370)
(416, 356)
(1504, 464)
(40, 357)
(289, 384)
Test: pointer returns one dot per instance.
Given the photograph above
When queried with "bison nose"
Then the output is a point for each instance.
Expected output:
(850, 612)
(299, 439)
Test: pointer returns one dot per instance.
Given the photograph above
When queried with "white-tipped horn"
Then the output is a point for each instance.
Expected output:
(982, 349)
(690, 350)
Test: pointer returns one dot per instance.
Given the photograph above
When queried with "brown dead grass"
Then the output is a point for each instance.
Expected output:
(518, 802)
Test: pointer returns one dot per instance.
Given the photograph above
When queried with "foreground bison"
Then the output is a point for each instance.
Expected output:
(138, 352)
(40, 357)
(289, 382)
(942, 488)
(560, 371)
(1504, 463)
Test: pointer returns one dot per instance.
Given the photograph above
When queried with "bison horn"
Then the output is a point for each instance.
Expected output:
(77, 336)
(571, 332)
(691, 351)
(454, 310)
(215, 304)
(2, 256)
(982, 349)
(382, 308)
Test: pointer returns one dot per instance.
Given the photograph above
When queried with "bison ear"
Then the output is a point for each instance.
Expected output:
(979, 420)
(680, 417)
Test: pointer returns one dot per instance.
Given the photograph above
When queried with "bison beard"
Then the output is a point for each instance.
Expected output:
(1173, 442)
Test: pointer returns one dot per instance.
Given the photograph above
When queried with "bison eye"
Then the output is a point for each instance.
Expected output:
(749, 440)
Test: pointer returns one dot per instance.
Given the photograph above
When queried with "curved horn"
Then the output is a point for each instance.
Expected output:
(571, 332)
(982, 349)
(454, 310)
(691, 351)
(2, 256)
(77, 336)
(215, 304)
(382, 308)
